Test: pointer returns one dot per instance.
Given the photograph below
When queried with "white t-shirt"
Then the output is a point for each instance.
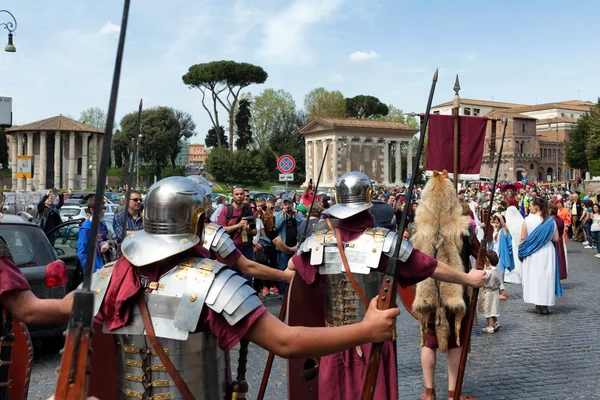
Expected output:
(595, 222)
(259, 227)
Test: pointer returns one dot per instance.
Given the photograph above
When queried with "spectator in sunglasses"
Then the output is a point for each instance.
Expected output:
(134, 217)
(84, 237)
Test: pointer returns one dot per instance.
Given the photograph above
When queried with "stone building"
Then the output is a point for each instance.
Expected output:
(357, 145)
(197, 155)
(65, 154)
(535, 136)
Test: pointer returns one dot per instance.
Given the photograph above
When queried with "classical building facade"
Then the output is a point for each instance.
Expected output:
(371, 147)
(535, 136)
(65, 154)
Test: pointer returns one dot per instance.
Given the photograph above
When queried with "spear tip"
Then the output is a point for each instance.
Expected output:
(141, 102)
(456, 85)
(435, 75)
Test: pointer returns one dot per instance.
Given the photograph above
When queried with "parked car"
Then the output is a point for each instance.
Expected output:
(263, 195)
(73, 212)
(85, 196)
(47, 274)
(113, 197)
(111, 208)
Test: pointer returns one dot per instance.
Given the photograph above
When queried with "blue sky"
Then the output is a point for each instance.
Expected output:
(524, 52)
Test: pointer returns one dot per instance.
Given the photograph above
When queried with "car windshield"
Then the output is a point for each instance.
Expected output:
(27, 244)
(69, 211)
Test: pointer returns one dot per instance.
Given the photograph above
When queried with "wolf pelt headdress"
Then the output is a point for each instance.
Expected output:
(439, 231)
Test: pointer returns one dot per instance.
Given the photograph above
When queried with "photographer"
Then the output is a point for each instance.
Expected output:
(286, 223)
(49, 212)
(238, 221)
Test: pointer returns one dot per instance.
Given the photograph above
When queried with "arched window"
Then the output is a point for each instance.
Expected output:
(522, 147)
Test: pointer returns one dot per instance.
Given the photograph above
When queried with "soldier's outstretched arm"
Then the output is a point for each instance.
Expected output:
(446, 273)
(297, 341)
(257, 270)
(24, 305)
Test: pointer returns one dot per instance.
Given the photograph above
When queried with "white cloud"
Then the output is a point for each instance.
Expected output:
(285, 33)
(110, 29)
(363, 55)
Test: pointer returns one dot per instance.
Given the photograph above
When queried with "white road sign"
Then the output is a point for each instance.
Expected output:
(286, 177)
(5, 112)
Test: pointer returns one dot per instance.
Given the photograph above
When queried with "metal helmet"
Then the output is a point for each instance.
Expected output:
(353, 193)
(206, 185)
(173, 221)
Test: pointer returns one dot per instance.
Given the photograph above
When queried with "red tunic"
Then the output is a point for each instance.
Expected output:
(341, 375)
(125, 286)
(11, 277)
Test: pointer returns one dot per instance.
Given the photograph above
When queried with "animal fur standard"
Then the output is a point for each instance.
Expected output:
(440, 228)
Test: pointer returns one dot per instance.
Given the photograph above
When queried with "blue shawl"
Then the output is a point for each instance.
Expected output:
(535, 240)
(505, 252)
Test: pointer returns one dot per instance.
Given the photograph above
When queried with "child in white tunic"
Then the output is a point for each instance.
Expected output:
(490, 299)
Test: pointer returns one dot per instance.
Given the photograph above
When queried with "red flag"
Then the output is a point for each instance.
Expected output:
(440, 145)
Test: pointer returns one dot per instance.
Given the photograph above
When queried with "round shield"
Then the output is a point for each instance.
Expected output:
(407, 296)
(305, 308)
(22, 360)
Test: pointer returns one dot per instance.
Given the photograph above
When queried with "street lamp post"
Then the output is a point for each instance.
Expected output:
(550, 127)
(10, 27)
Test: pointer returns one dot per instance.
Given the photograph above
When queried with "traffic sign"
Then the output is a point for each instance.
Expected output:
(24, 166)
(286, 164)
(286, 177)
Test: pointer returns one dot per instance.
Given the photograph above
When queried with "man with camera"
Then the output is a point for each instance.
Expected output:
(286, 224)
(238, 221)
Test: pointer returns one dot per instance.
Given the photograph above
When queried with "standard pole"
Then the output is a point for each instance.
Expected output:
(456, 115)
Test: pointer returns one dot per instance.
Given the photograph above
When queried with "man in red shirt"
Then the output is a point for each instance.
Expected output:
(238, 221)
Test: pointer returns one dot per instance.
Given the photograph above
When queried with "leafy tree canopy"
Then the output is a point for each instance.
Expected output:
(397, 115)
(93, 116)
(365, 107)
(211, 141)
(223, 81)
(269, 109)
(320, 102)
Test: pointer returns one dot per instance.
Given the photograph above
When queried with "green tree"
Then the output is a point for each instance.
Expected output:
(244, 128)
(593, 127)
(120, 144)
(93, 116)
(223, 81)
(268, 110)
(246, 167)
(576, 145)
(320, 102)
(3, 149)
(365, 107)
(186, 129)
(218, 163)
(397, 115)
(212, 141)
(287, 139)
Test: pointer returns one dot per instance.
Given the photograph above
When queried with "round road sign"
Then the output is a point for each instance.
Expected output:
(286, 164)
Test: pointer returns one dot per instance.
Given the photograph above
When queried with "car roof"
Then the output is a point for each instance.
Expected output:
(14, 219)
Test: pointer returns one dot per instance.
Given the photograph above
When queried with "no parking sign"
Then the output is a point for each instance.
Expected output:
(286, 164)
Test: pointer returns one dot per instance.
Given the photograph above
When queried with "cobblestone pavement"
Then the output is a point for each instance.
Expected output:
(532, 357)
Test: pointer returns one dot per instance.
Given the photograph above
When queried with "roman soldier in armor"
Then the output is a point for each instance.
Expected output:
(170, 314)
(349, 283)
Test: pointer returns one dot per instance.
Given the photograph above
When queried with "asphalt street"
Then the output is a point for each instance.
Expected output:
(556, 356)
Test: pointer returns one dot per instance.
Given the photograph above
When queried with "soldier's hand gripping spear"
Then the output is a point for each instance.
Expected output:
(73, 376)
(481, 260)
(387, 292)
(269, 365)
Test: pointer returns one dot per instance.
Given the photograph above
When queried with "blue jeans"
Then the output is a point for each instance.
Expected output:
(282, 263)
(596, 237)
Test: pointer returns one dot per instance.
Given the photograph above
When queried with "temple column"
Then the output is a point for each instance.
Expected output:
(409, 158)
(348, 154)
(307, 165)
(72, 164)
(13, 160)
(94, 160)
(100, 155)
(30, 182)
(361, 143)
(325, 176)
(386, 162)
(57, 157)
(43, 161)
(84, 160)
(315, 160)
(398, 179)
(334, 158)
(20, 181)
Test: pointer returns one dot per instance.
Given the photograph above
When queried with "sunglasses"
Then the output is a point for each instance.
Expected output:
(135, 200)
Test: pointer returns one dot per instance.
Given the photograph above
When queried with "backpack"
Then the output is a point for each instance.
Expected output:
(246, 212)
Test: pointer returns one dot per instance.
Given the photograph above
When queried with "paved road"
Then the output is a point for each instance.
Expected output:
(531, 357)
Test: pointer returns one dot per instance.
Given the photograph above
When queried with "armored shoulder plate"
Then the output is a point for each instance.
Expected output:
(176, 301)
(217, 240)
(316, 243)
(389, 246)
(100, 281)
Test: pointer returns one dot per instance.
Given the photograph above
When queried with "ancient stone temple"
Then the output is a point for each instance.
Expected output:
(63, 150)
(368, 146)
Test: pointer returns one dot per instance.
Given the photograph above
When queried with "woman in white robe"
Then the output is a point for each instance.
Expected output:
(539, 269)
